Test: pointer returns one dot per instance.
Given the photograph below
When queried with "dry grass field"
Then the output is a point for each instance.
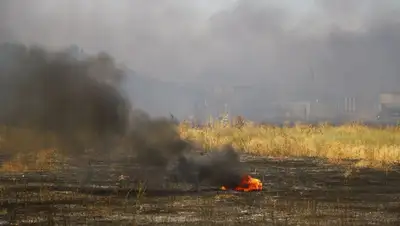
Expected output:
(367, 146)
(312, 175)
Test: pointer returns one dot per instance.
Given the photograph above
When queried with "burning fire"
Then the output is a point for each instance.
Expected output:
(247, 184)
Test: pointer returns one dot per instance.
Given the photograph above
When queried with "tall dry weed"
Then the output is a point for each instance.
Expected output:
(371, 147)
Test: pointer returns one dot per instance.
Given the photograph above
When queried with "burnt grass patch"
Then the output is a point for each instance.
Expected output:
(301, 191)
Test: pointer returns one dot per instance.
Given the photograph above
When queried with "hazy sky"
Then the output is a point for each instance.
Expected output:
(213, 6)
(221, 41)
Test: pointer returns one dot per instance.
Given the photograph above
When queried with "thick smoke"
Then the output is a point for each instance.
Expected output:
(159, 149)
(331, 50)
(216, 168)
(78, 98)
(155, 141)
(53, 91)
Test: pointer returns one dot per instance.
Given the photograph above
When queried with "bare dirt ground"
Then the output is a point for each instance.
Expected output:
(296, 192)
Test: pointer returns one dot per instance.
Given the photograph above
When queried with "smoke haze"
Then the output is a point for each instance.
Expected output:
(330, 50)
(216, 168)
(350, 46)
(82, 103)
(52, 91)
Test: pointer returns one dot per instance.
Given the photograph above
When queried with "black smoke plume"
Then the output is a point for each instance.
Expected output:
(217, 168)
(155, 141)
(78, 98)
(53, 91)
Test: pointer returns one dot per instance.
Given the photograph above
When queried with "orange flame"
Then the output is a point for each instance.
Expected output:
(247, 184)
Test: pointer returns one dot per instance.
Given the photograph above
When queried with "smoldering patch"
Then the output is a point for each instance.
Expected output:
(216, 168)
(80, 100)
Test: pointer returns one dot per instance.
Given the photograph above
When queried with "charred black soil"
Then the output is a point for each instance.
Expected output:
(296, 192)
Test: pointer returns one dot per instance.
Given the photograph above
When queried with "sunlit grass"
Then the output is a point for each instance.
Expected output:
(42, 160)
(371, 147)
(28, 150)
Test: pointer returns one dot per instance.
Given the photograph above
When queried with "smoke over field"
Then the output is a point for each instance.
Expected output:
(130, 60)
(82, 103)
(52, 91)
(296, 51)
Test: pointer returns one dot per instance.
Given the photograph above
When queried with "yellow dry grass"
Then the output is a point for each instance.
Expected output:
(371, 147)
(29, 150)
(42, 160)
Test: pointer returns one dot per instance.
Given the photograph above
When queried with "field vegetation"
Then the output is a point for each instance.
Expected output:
(365, 146)
(72, 151)
(374, 147)
(297, 191)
